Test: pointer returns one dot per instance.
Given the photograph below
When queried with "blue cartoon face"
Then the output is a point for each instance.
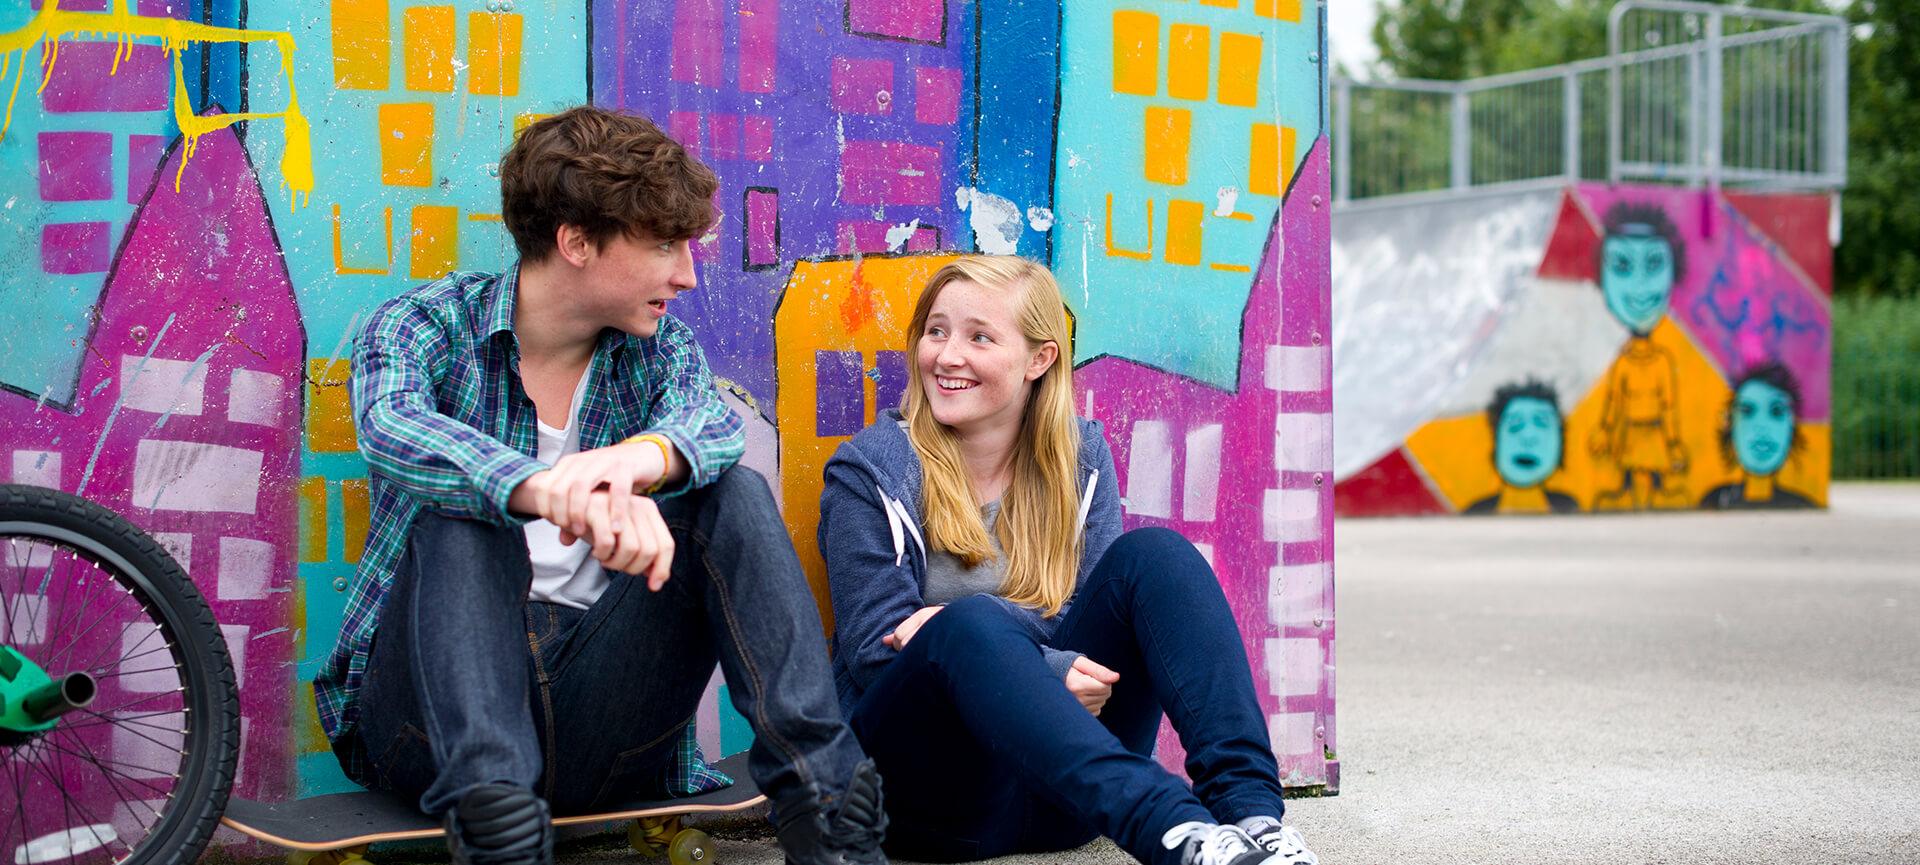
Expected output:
(1762, 427)
(1636, 274)
(1526, 444)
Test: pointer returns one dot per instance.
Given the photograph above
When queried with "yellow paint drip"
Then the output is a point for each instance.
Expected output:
(53, 24)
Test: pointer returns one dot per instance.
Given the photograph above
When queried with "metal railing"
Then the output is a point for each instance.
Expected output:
(1690, 93)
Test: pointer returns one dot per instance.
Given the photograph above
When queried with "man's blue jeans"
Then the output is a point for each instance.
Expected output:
(470, 683)
(985, 752)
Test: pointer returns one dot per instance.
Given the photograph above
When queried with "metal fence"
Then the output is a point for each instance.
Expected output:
(1690, 93)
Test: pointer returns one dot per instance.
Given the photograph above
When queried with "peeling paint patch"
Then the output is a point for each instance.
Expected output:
(897, 236)
(995, 220)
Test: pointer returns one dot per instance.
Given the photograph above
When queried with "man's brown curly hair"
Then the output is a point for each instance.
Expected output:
(605, 173)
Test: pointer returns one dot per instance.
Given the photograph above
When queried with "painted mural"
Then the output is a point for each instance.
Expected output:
(204, 200)
(1653, 349)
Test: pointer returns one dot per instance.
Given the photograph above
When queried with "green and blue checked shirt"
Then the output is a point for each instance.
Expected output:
(445, 425)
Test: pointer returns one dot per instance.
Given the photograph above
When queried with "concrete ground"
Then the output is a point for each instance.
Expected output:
(1688, 688)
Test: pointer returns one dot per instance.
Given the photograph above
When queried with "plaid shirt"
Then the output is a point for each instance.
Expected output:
(445, 424)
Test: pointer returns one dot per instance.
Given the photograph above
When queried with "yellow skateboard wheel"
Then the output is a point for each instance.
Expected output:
(690, 847)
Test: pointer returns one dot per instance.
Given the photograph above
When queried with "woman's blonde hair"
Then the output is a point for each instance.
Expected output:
(1039, 513)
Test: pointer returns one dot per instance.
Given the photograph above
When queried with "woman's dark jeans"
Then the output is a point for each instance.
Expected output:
(469, 683)
(985, 752)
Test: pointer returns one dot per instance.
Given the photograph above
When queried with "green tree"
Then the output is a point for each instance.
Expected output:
(1879, 252)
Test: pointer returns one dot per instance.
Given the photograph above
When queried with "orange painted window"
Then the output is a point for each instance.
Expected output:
(426, 39)
(361, 44)
(1136, 52)
(493, 53)
(1169, 133)
(406, 144)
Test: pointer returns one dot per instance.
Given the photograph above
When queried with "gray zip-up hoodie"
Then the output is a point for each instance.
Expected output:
(871, 536)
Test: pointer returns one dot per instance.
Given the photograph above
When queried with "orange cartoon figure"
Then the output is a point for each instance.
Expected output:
(1641, 259)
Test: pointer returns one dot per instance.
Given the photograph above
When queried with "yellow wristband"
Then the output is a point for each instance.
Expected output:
(666, 458)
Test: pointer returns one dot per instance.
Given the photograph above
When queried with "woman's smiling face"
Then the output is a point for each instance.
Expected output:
(973, 360)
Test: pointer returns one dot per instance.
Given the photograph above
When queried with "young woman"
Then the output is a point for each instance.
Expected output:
(1002, 650)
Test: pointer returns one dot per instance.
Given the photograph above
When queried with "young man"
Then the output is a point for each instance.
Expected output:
(562, 545)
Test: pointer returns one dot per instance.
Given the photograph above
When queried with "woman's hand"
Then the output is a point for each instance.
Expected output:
(1091, 683)
(905, 630)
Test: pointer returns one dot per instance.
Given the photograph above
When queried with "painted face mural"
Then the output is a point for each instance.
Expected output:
(1637, 274)
(1763, 427)
(1527, 441)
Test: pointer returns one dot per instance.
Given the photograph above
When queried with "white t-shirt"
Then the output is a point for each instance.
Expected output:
(566, 575)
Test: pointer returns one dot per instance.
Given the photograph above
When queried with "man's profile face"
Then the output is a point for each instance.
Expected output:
(1526, 443)
(1636, 275)
(1762, 427)
(631, 280)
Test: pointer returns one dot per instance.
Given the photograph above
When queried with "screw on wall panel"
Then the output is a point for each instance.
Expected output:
(493, 169)
(1319, 732)
(1316, 202)
(1319, 478)
(1313, 57)
(339, 584)
(1316, 337)
(139, 334)
(882, 98)
(1319, 622)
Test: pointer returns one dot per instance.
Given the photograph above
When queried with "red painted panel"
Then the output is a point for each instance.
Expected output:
(1390, 487)
(1573, 250)
(1795, 223)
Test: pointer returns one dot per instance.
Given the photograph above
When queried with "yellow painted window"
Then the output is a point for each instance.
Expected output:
(313, 518)
(1239, 69)
(355, 517)
(1136, 52)
(406, 144)
(1270, 161)
(1188, 49)
(434, 243)
(1183, 231)
(426, 39)
(1169, 132)
(493, 53)
(361, 46)
(329, 410)
(1285, 10)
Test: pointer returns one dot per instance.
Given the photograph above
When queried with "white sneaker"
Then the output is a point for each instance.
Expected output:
(1213, 844)
(1283, 842)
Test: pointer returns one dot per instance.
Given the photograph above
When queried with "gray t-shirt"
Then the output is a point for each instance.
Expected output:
(949, 579)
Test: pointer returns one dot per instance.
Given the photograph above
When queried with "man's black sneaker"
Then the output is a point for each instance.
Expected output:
(847, 832)
(500, 824)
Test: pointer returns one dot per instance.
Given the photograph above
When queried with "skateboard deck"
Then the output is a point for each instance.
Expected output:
(340, 820)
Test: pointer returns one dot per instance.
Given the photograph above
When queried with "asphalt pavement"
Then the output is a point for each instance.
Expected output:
(1677, 688)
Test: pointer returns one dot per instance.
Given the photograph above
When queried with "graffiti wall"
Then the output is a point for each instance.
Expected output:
(1606, 348)
(203, 202)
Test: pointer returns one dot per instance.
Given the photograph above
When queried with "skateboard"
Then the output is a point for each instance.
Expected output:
(336, 829)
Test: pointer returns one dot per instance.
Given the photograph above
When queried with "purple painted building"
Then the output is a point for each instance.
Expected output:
(831, 124)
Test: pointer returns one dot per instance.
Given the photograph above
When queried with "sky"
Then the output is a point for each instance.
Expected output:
(1350, 33)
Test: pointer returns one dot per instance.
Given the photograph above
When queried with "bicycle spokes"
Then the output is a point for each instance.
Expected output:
(93, 736)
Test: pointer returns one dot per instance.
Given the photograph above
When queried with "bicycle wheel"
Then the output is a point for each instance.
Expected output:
(129, 752)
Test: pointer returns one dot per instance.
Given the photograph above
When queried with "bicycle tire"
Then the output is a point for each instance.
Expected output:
(210, 744)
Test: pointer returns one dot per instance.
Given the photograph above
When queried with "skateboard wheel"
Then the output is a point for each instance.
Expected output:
(690, 847)
(650, 836)
(355, 855)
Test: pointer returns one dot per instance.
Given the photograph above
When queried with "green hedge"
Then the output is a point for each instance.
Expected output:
(1876, 387)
